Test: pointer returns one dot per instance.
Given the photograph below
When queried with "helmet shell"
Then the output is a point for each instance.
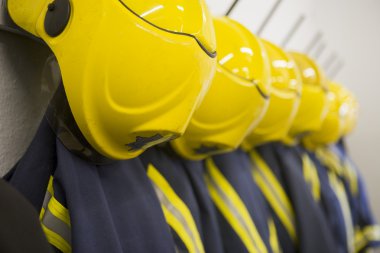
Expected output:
(286, 87)
(238, 96)
(130, 82)
(314, 101)
(332, 126)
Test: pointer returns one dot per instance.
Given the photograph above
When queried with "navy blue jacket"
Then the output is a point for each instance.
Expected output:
(90, 208)
(313, 232)
(367, 231)
(331, 206)
(186, 180)
(237, 170)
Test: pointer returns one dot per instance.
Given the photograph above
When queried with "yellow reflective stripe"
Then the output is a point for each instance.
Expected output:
(59, 211)
(177, 214)
(275, 204)
(340, 192)
(341, 168)
(274, 193)
(273, 238)
(372, 233)
(352, 177)
(360, 240)
(42, 213)
(363, 236)
(233, 209)
(311, 176)
(56, 240)
(49, 193)
(229, 216)
(51, 222)
(330, 159)
(50, 186)
(55, 221)
(177, 226)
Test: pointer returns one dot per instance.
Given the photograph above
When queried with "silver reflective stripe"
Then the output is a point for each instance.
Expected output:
(166, 202)
(339, 190)
(57, 226)
(46, 200)
(232, 209)
(274, 193)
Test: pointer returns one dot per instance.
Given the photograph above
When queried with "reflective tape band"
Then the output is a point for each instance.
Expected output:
(273, 237)
(330, 160)
(49, 193)
(274, 193)
(176, 221)
(337, 170)
(59, 211)
(56, 240)
(340, 193)
(366, 235)
(372, 233)
(55, 224)
(360, 240)
(55, 221)
(176, 213)
(311, 176)
(351, 175)
(233, 209)
(50, 188)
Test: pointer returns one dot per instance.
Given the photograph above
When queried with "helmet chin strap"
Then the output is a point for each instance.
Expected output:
(7, 24)
(63, 124)
(61, 119)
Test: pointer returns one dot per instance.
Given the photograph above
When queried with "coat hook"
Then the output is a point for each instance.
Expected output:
(314, 41)
(232, 7)
(329, 61)
(293, 30)
(336, 70)
(268, 17)
(319, 51)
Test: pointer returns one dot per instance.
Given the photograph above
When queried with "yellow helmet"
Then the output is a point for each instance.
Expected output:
(238, 96)
(133, 71)
(314, 103)
(285, 96)
(332, 126)
(352, 112)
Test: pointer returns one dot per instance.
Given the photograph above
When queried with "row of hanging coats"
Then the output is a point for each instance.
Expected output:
(157, 140)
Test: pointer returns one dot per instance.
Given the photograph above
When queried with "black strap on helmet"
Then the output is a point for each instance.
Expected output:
(63, 124)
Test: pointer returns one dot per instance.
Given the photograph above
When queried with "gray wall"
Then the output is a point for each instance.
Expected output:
(351, 28)
(22, 98)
